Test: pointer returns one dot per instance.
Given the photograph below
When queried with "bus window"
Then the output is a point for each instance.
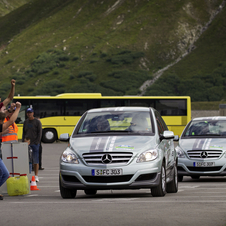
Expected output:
(111, 103)
(77, 107)
(171, 107)
(140, 102)
(48, 108)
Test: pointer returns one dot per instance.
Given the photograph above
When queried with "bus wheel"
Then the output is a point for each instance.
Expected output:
(49, 135)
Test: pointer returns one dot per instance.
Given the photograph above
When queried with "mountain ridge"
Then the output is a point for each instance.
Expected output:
(111, 47)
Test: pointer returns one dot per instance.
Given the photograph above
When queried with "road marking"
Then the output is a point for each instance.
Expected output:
(189, 186)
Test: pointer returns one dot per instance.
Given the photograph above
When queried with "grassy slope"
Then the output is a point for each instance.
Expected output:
(210, 51)
(42, 25)
(6, 6)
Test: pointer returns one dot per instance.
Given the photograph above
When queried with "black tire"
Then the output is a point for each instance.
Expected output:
(67, 193)
(172, 186)
(195, 177)
(90, 192)
(180, 178)
(160, 190)
(49, 135)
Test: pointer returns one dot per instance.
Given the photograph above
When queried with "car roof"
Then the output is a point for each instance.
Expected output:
(210, 118)
(147, 109)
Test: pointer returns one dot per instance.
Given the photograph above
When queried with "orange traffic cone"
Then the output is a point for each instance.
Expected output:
(33, 186)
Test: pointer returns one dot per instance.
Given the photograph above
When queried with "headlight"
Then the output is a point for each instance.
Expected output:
(147, 156)
(69, 157)
(180, 152)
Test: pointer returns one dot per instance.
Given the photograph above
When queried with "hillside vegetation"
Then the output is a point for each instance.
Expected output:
(6, 6)
(113, 47)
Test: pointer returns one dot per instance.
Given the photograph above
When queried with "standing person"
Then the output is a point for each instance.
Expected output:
(32, 128)
(4, 173)
(11, 135)
(10, 96)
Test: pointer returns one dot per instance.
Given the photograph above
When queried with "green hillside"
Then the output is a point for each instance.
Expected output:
(108, 46)
(6, 6)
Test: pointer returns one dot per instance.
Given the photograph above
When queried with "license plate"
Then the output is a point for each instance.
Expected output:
(106, 172)
(204, 164)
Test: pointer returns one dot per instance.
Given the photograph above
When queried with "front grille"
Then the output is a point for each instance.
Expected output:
(200, 154)
(115, 158)
(214, 168)
(107, 179)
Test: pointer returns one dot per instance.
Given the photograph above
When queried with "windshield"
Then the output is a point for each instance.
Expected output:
(209, 127)
(103, 122)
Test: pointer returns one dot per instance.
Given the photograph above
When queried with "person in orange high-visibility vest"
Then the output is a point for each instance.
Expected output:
(11, 135)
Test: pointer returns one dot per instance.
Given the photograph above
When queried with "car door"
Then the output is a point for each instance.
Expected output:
(167, 145)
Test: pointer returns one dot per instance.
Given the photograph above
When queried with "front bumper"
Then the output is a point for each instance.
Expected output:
(79, 177)
(186, 167)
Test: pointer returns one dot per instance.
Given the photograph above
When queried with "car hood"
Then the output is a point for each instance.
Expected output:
(203, 144)
(112, 144)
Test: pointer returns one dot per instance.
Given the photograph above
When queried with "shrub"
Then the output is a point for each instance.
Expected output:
(126, 81)
(125, 57)
(75, 58)
(9, 61)
(84, 73)
(102, 55)
(93, 61)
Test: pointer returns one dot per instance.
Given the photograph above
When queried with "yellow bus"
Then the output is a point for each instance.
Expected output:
(59, 114)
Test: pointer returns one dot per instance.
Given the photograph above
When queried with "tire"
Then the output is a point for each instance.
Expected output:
(160, 190)
(172, 186)
(67, 193)
(90, 192)
(49, 135)
(180, 178)
(195, 177)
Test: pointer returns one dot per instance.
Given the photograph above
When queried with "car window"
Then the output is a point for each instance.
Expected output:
(116, 122)
(160, 123)
(206, 127)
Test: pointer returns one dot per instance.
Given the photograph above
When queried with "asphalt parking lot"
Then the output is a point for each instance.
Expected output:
(200, 202)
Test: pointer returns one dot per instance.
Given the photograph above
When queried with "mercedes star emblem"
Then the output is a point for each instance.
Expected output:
(204, 154)
(106, 159)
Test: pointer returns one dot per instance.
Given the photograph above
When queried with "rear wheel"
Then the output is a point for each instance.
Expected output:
(160, 190)
(172, 187)
(195, 177)
(49, 135)
(90, 192)
(67, 193)
(180, 178)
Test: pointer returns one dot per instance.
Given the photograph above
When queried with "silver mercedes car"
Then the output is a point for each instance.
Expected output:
(202, 148)
(119, 148)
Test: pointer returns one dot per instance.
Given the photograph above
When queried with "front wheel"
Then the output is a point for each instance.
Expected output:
(67, 193)
(160, 190)
(172, 187)
(49, 135)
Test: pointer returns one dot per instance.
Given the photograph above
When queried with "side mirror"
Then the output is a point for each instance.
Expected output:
(64, 137)
(176, 138)
(167, 135)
